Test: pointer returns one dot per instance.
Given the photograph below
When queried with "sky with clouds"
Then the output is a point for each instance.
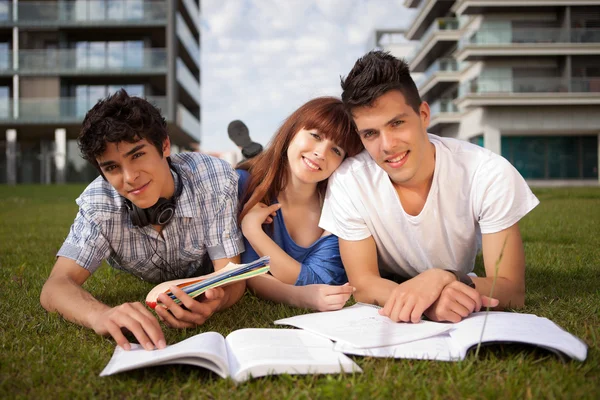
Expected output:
(262, 59)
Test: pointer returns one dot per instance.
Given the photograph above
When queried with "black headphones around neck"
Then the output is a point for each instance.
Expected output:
(160, 213)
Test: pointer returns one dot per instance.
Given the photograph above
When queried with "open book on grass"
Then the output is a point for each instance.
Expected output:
(198, 285)
(243, 354)
(501, 327)
(361, 326)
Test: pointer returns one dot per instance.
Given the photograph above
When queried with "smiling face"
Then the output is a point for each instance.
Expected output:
(313, 158)
(138, 171)
(396, 138)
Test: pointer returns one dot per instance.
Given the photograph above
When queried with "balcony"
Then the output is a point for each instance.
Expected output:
(443, 112)
(437, 41)
(98, 13)
(479, 7)
(190, 43)
(188, 123)
(517, 42)
(74, 62)
(529, 91)
(439, 77)
(427, 12)
(188, 82)
(411, 3)
(64, 110)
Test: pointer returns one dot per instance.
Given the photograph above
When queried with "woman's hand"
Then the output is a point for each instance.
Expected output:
(257, 216)
(324, 297)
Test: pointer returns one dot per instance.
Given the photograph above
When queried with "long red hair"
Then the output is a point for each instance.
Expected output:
(269, 170)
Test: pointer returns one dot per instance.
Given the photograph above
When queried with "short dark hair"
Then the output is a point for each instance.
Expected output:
(375, 74)
(120, 118)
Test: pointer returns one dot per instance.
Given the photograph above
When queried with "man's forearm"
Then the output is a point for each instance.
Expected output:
(233, 293)
(373, 290)
(508, 293)
(75, 304)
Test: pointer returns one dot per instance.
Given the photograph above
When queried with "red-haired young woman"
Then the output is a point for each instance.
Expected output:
(282, 192)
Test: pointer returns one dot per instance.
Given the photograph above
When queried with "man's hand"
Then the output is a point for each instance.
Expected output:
(257, 216)
(410, 299)
(135, 318)
(324, 297)
(458, 301)
(194, 312)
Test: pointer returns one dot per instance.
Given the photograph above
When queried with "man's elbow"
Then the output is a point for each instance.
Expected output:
(45, 297)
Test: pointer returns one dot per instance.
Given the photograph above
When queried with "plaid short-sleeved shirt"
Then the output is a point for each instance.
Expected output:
(205, 223)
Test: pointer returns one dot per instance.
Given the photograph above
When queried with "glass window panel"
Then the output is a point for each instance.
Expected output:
(81, 100)
(81, 54)
(528, 156)
(563, 157)
(135, 9)
(116, 54)
(134, 54)
(590, 156)
(135, 90)
(4, 10)
(97, 10)
(4, 56)
(4, 101)
(97, 55)
(116, 9)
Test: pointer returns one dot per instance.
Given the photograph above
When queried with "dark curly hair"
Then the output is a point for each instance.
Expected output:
(375, 74)
(120, 118)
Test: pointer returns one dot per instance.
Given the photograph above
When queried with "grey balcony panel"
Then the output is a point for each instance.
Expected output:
(188, 122)
(92, 13)
(187, 38)
(440, 37)
(515, 36)
(188, 82)
(65, 110)
(531, 85)
(478, 7)
(72, 62)
(193, 12)
(428, 11)
(443, 106)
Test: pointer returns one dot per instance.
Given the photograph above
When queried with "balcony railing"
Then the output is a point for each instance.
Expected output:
(98, 11)
(439, 25)
(442, 65)
(443, 106)
(65, 109)
(488, 36)
(530, 85)
(76, 61)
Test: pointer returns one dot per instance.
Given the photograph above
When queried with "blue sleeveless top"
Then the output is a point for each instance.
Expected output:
(319, 263)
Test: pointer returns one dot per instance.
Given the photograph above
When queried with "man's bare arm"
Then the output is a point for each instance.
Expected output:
(509, 288)
(63, 293)
(360, 261)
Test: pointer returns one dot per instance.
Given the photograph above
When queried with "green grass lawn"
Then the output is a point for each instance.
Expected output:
(43, 356)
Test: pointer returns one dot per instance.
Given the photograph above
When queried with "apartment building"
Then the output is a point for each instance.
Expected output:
(520, 77)
(57, 58)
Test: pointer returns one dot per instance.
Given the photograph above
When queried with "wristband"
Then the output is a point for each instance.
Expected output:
(462, 277)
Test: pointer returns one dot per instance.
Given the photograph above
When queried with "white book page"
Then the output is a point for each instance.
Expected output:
(260, 352)
(516, 327)
(205, 350)
(439, 348)
(361, 326)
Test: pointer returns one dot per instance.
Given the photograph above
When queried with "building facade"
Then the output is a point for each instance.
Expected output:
(519, 77)
(58, 58)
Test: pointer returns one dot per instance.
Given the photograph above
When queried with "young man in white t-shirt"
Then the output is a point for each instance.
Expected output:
(416, 208)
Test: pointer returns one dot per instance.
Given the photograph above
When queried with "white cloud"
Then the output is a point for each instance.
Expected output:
(261, 59)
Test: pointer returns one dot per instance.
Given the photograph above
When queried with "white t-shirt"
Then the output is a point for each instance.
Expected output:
(474, 191)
